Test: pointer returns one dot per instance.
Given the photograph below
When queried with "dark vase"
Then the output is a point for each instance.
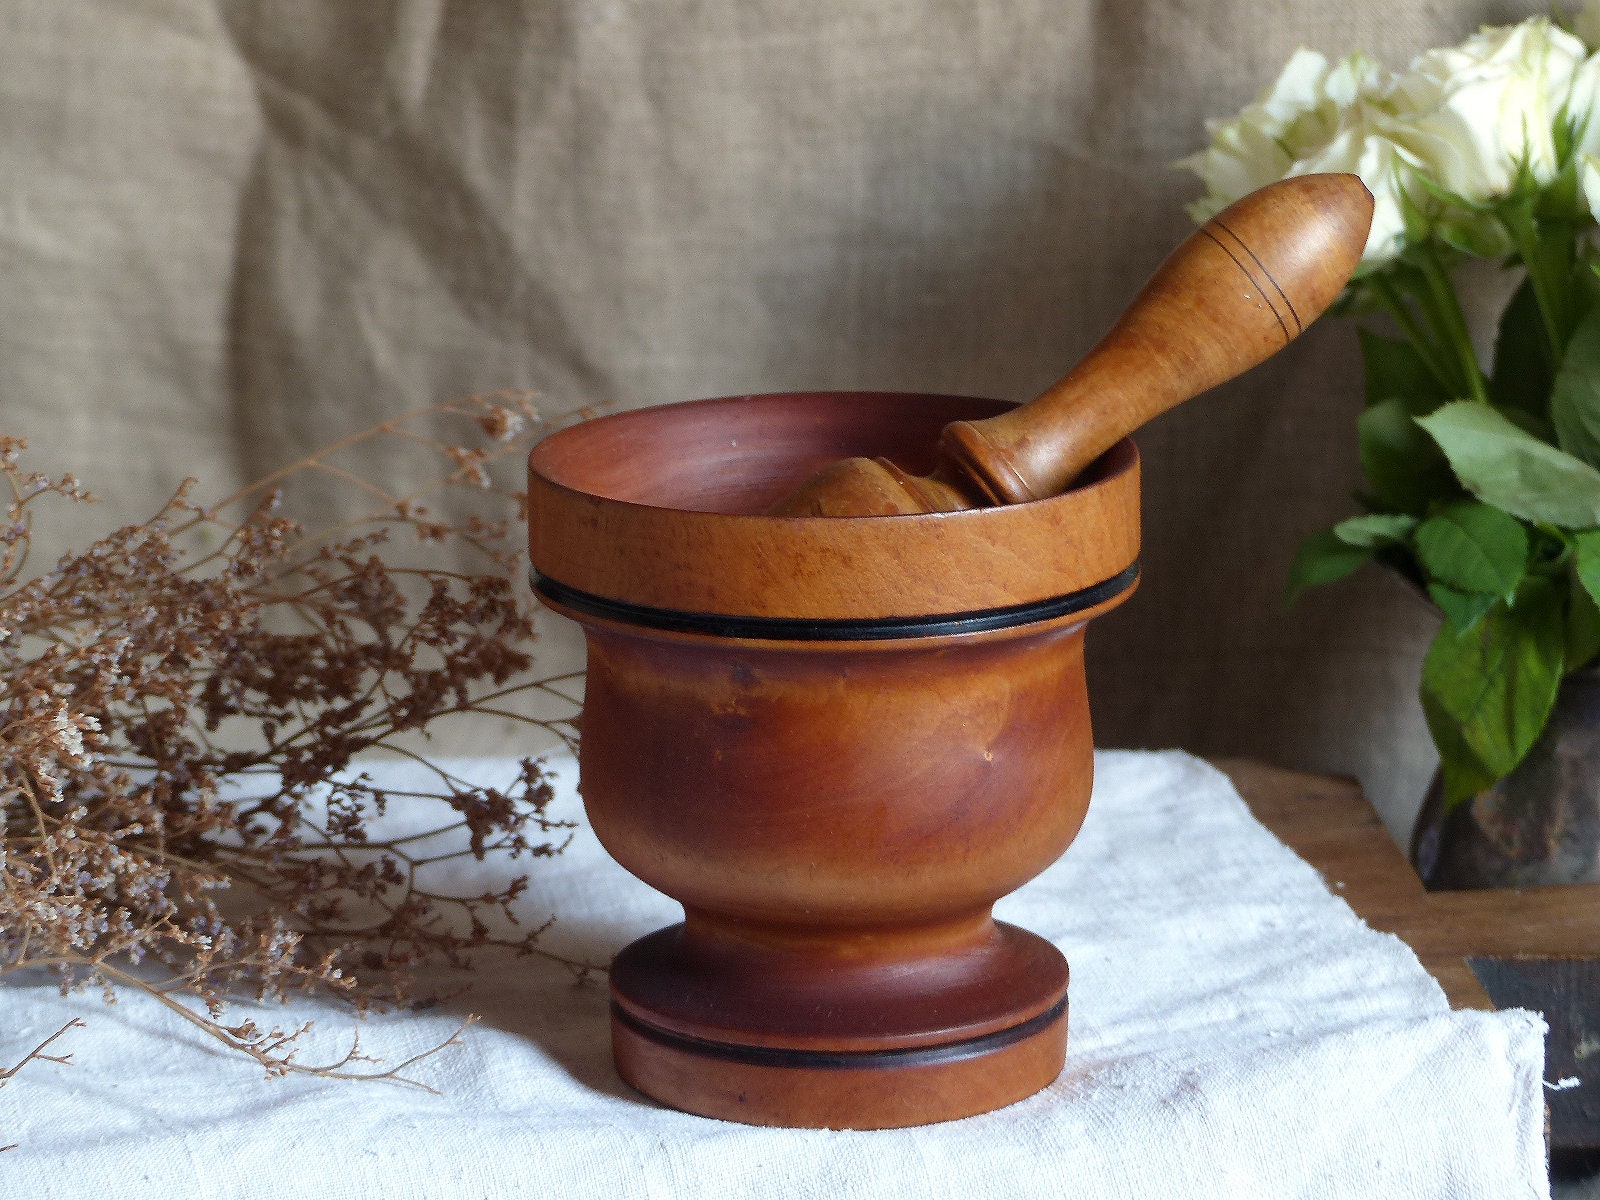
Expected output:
(1539, 825)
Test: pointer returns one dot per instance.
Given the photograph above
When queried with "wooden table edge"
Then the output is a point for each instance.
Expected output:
(1329, 822)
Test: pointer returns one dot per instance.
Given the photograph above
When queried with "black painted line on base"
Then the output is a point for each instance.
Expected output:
(843, 1060)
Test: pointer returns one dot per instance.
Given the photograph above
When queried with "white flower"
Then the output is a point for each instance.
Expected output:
(1475, 114)
(1582, 112)
(1314, 118)
(1589, 181)
(1579, 106)
(1254, 148)
(1366, 149)
(68, 734)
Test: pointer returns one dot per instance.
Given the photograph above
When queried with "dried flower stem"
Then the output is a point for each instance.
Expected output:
(37, 1054)
(181, 707)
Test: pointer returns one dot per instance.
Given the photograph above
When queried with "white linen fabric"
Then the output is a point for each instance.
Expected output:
(1236, 1031)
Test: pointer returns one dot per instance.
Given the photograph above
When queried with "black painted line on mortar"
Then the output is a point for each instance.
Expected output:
(832, 629)
(843, 1060)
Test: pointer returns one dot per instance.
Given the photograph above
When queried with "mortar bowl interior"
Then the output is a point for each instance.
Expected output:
(664, 508)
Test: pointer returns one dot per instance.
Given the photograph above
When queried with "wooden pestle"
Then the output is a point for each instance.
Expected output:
(1242, 287)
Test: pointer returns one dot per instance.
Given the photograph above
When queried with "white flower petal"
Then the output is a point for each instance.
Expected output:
(1589, 181)
(1295, 122)
(1476, 113)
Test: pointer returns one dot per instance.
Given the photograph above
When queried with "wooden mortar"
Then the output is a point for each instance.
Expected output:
(836, 742)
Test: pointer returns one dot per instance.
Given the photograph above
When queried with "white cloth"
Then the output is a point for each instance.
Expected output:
(1235, 1032)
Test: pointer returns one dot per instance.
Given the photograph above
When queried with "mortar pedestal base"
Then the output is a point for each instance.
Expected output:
(840, 1032)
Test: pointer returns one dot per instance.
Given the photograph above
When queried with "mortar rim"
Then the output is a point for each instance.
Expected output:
(743, 564)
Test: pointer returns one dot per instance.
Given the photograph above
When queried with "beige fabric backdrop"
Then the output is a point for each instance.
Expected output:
(231, 232)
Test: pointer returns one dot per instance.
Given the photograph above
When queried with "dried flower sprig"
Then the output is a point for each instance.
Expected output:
(39, 1054)
(180, 707)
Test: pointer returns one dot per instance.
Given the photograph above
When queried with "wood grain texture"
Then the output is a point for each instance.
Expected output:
(838, 820)
(836, 786)
(836, 810)
(878, 1093)
(1329, 823)
(664, 507)
(1237, 291)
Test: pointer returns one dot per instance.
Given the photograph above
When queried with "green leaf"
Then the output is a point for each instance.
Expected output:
(1532, 424)
(1374, 529)
(1586, 281)
(1405, 466)
(1463, 775)
(1479, 234)
(1462, 609)
(1583, 628)
(1487, 692)
(1550, 258)
(1395, 371)
(1575, 402)
(1474, 547)
(1510, 469)
(1562, 198)
(1523, 375)
(1586, 562)
(1322, 558)
(1548, 250)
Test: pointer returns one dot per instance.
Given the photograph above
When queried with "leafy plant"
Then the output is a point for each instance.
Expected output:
(1482, 486)
(1489, 505)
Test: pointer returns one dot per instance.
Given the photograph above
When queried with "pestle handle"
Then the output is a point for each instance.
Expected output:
(1242, 287)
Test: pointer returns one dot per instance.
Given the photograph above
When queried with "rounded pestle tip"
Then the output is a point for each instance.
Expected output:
(1333, 213)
